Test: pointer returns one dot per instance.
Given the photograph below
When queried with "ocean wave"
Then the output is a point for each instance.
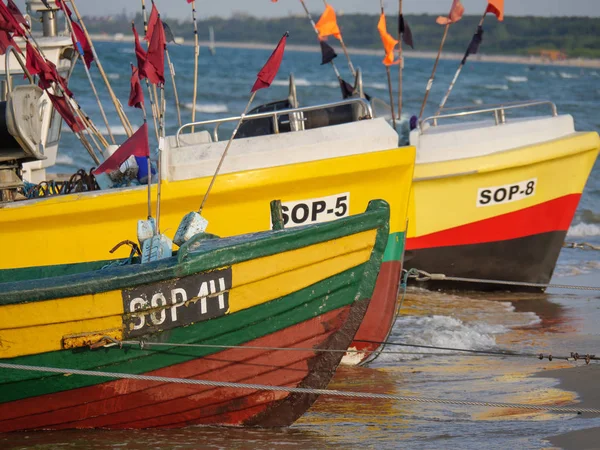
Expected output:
(210, 108)
(567, 75)
(65, 159)
(114, 76)
(517, 79)
(442, 331)
(303, 82)
(478, 101)
(116, 130)
(497, 87)
(584, 230)
(380, 86)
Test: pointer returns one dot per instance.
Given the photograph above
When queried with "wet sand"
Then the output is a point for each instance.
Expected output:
(584, 381)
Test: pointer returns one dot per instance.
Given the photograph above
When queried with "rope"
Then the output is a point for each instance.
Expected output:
(109, 342)
(296, 390)
(426, 276)
(581, 246)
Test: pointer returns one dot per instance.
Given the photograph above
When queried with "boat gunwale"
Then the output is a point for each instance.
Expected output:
(213, 254)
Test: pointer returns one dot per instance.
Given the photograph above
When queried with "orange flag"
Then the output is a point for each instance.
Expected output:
(327, 24)
(388, 42)
(496, 7)
(456, 13)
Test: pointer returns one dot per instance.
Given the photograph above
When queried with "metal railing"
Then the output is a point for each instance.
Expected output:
(499, 112)
(274, 116)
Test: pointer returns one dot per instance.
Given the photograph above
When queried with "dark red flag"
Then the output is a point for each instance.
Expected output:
(62, 5)
(136, 145)
(6, 41)
(269, 71)
(81, 43)
(9, 22)
(136, 94)
(46, 70)
(155, 58)
(61, 106)
(14, 9)
(154, 17)
(140, 54)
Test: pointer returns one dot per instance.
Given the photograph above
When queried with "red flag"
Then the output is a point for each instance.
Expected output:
(154, 17)
(61, 106)
(327, 24)
(14, 10)
(81, 43)
(62, 5)
(140, 53)
(46, 70)
(136, 145)
(388, 42)
(496, 7)
(6, 41)
(136, 94)
(155, 58)
(8, 22)
(269, 71)
(456, 13)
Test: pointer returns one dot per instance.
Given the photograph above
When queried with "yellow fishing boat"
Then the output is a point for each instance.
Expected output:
(494, 197)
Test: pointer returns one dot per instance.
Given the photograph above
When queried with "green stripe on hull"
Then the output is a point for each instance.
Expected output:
(395, 247)
(235, 329)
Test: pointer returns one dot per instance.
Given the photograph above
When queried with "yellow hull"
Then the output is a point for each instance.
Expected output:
(85, 227)
(501, 216)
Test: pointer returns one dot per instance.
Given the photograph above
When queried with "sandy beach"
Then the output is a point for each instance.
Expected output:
(582, 380)
(532, 60)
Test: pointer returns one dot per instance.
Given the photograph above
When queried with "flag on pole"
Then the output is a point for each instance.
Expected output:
(80, 41)
(6, 41)
(269, 71)
(474, 44)
(16, 12)
(405, 31)
(61, 106)
(456, 13)
(140, 53)
(327, 24)
(155, 57)
(136, 145)
(152, 21)
(327, 52)
(136, 94)
(496, 7)
(388, 42)
(8, 22)
(169, 36)
(45, 70)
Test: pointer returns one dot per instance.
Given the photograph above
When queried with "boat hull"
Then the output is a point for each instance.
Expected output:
(485, 234)
(239, 204)
(280, 309)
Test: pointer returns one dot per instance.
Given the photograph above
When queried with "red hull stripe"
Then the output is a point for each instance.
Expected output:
(144, 404)
(555, 215)
(380, 315)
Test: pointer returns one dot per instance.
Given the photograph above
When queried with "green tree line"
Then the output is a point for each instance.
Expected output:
(575, 36)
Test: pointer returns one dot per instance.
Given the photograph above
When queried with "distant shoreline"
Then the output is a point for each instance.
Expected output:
(508, 59)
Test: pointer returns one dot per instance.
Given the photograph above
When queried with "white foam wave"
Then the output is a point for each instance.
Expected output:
(478, 101)
(584, 230)
(299, 82)
(497, 87)
(116, 130)
(65, 159)
(517, 79)
(114, 76)
(595, 74)
(210, 108)
(442, 331)
(567, 75)
(380, 86)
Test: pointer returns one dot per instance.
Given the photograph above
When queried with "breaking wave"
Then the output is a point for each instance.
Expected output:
(210, 108)
(497, 87)
(517, 79)
(584, 230)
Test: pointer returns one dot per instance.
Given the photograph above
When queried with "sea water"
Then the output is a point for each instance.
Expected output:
(558, 322)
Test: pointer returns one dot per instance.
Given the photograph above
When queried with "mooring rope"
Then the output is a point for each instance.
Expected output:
(426, 276)
(296, 390)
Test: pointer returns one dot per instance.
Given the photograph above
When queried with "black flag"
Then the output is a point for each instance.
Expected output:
(327, 52)
(347, 89)
(474, 45)
(45, 2)
(169, 36)
(405, 32)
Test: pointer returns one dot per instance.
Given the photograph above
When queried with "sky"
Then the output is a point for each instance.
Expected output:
(264, 8)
